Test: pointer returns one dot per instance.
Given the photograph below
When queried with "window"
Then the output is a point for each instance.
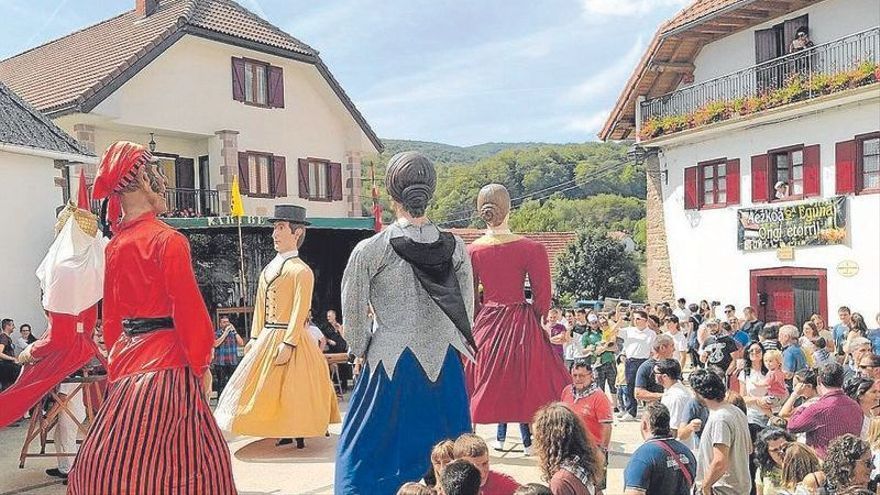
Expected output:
(712, 184)
(787, 170)
(869, 163)
(714, 179)
(259, 173)
(257, 83)
(319, 180)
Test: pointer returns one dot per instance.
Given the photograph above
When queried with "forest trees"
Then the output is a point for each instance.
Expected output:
(595, 267)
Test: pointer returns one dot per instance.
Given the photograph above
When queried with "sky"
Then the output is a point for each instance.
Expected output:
(460, 72)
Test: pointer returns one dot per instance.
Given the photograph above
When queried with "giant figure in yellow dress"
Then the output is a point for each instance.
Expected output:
(282, 387)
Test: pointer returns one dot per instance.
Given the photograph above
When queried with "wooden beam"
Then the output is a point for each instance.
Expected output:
(680, 67)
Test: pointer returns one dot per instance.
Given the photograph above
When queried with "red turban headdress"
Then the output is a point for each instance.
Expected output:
(119, 166)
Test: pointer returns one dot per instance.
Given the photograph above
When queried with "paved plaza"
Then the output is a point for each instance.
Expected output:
(260, 468)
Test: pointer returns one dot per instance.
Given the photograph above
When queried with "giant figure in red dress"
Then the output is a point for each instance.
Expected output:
(516, 372)
(155, 432)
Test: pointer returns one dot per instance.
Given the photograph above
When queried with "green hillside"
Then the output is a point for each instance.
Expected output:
(447, 153)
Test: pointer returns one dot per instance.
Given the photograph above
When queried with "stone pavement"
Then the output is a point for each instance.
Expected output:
(260, 468)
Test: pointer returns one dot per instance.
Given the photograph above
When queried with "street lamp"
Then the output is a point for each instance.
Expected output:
(152, 144)
(639, 153)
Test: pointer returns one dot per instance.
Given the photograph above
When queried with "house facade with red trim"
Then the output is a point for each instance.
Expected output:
(218, 92)
(763, 155)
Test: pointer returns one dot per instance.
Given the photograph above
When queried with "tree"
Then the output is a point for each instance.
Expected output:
(595, 267)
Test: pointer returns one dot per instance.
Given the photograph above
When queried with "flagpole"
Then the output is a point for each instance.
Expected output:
(241, 261)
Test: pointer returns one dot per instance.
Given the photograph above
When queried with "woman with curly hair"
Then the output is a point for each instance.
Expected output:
(566, 455)
(848, 464)
(770, 450)
(866, 392)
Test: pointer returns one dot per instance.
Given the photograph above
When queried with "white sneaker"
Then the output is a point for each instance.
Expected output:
(527, 451)
(498, 445)
(629, 418)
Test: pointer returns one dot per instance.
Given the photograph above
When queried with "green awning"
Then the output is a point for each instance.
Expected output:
(356, 223)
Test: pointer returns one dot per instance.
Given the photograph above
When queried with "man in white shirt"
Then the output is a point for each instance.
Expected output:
(682, 312)
(676, 397)
(638, 341)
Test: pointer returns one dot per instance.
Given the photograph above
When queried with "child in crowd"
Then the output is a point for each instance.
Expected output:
(471, 448)
(620, 384)
(441, 455)
(460, 477)
(413, 488)
(775, 380)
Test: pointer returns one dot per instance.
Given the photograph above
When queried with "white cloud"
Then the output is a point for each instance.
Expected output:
(589, 124)
(627, 7)
(609, 78)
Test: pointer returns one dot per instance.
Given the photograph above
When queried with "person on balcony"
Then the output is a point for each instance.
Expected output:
(781, 189)
(801, 41)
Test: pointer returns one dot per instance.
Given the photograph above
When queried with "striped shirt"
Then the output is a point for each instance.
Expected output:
(833, 415)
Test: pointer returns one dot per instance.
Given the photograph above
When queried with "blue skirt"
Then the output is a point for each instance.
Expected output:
(392, 425)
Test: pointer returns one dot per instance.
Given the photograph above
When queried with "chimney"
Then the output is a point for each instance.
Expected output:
(146, 8)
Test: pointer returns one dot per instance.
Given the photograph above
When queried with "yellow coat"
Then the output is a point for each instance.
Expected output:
(293, 400)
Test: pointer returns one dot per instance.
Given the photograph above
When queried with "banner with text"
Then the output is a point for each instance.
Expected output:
(814, 223)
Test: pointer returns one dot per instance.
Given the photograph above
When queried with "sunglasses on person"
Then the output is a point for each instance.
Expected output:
(638, 318)
(869, 463)
(755, 351)
(866, 366)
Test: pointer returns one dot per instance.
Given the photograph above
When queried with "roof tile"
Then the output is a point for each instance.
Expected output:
(23, 125)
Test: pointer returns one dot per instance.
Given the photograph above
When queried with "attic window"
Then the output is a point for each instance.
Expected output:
(257, 83)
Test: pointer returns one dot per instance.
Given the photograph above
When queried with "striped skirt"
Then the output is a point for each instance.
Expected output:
(155, 434)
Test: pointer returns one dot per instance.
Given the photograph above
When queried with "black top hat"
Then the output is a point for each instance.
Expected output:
(290, 213)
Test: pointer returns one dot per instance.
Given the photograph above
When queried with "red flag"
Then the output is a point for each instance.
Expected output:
(377, 211)
(82, 200)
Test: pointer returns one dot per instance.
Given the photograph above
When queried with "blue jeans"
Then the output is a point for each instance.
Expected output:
(622, 400)
(630, 370)
(524, 430)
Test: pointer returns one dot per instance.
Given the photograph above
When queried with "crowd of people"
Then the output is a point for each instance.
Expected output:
(728, 405)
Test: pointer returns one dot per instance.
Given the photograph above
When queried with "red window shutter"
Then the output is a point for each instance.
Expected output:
(845, 167)
(812, 171)
(733, 182)
(243, 173)
(335, 181)
(303, 176)
(237, 79)
(760, 178)
(691, 189)
(279, 171)
(276, 87)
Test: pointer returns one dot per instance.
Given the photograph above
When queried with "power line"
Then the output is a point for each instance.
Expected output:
(565, 185)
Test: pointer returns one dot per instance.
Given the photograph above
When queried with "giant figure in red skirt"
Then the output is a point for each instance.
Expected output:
(155, 432)
(517, 371)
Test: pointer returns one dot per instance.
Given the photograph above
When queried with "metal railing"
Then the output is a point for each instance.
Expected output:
(184, 202)
(829, 59)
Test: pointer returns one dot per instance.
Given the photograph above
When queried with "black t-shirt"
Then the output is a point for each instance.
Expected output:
(8, 348)
(720, 350)
(645, 377)
(753, 328)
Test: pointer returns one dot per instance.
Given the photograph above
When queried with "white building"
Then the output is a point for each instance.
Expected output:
(33, 153)
(728, 106)
(218, 92)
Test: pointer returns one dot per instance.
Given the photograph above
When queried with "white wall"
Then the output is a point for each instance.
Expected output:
(187, 91)
(829, 20)
(27, 221)
(704, 258)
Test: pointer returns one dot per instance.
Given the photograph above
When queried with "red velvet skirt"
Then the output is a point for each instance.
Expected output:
(517, 370)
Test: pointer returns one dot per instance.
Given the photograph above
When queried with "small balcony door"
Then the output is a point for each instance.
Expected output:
(204, 184)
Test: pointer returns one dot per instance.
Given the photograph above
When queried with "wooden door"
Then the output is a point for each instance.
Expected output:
(185, 174)
(780, 299)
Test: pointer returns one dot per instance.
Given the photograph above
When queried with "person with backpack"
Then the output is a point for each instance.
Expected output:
(662, 465)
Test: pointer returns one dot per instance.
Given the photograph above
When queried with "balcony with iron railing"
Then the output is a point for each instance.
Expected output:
(845, 63)
(183, 202)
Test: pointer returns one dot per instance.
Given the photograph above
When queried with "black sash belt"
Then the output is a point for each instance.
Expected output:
(273, 324)
(140, 326)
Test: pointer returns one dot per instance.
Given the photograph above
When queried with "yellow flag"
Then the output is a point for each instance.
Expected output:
(237, 208)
